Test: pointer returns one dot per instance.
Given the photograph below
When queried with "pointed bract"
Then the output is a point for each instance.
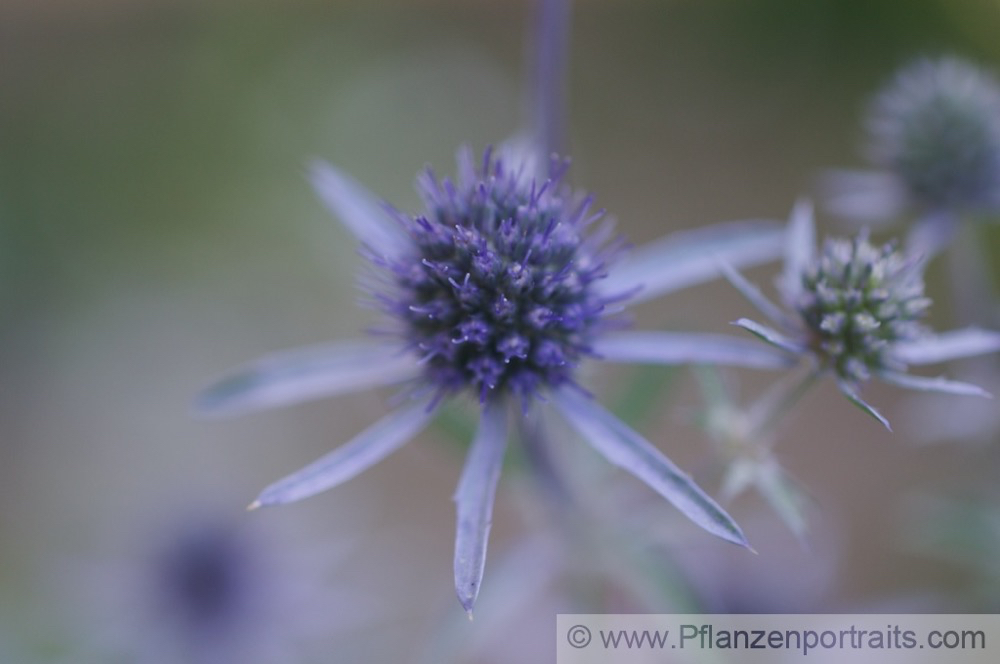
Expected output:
(756, 297)
(307, 373)
(936, 384)
(692, 257)
(474, 501)
(800, 249)
(775, 486)
(683, 348)
(856, 399)
(868, 197)
(350, 459)
(624, 447)
(931, 234)
(784, 497)
(945, 346)
(359, 210)
(771, 336)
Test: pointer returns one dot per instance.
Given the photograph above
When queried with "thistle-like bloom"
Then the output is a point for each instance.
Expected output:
(501, 288)
(855, 311)
(934, 135)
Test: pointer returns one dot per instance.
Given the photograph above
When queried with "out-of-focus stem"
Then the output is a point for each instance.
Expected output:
(549, 67)
(767, 411)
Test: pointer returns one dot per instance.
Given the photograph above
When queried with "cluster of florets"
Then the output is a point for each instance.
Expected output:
(937, 127)
(856, 301)
(497, 295)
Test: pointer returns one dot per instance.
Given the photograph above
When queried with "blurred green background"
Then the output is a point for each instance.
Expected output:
(156, 228)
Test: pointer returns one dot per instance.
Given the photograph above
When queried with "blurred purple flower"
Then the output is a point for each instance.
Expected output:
(204, 589)
(204, 583)
(502, 288)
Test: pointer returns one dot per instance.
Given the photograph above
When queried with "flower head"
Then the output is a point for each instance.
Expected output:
(936, 127)
(501, 286)
(855, 311)
(496, 291)
(933, 135)
(856, 301)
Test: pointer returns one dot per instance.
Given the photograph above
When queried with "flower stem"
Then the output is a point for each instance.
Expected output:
(767, 411)
(549, 65)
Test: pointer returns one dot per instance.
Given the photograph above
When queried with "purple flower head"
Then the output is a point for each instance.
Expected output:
(496, 290)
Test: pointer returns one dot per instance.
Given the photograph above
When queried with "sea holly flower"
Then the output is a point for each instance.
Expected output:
(501, 288)
(854, 310)
(934, 138)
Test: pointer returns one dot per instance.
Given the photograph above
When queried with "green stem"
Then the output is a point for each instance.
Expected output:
(767, 411)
